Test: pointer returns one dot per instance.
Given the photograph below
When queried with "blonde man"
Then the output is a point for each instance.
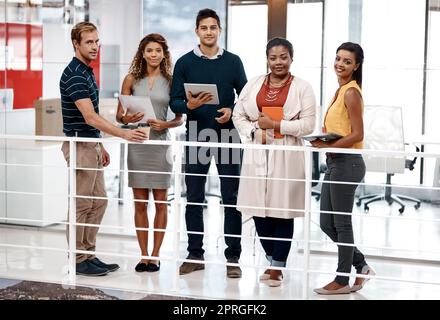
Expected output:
(79, 101)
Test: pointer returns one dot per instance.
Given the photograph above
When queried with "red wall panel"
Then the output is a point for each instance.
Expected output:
(24, 72)
(24, 68)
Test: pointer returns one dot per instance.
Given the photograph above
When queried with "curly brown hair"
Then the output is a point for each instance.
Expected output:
(138, 67)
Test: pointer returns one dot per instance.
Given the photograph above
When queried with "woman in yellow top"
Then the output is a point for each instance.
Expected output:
(344, 117)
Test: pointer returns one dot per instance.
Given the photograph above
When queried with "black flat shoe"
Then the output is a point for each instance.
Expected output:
(151, 267)
(141, 267)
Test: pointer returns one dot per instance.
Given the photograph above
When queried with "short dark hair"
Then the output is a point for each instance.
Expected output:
(358, 55)
(274, 42)
(207, 13)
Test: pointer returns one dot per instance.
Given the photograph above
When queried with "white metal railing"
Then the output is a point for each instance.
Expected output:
(176, 204)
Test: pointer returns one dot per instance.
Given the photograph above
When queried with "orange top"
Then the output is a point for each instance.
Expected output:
(269, 99)
(273, 97)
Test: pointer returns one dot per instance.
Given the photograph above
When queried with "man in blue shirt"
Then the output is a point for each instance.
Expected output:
(210, 64)
(79, 102)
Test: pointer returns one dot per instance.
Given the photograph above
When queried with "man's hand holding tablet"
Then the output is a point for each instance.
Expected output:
(197, 100)
(199, 94)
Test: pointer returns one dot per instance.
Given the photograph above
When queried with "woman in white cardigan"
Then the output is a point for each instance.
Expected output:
(277, 109)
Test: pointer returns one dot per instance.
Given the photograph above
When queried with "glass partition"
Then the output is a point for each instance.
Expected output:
(3, 105)
(432, 112)
(307, 46)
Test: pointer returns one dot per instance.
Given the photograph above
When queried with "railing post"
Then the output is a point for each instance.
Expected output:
(307, 200)
(122, 153)
(72, 212)
(177, 204)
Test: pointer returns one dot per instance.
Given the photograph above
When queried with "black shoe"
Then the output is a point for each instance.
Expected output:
(87, 268)
(110, 267)
(151, 267)
(141, 267)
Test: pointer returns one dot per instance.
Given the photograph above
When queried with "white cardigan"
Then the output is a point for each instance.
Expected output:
(256, 190)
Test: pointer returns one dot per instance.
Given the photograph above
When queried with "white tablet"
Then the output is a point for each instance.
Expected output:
(135, 104)
(197, 88)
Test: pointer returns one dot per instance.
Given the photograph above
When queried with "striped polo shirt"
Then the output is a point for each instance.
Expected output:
(78, 82)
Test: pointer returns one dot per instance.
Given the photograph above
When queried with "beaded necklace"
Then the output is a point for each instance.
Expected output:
(272, 91)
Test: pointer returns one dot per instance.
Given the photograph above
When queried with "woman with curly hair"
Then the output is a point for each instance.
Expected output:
(150, 75)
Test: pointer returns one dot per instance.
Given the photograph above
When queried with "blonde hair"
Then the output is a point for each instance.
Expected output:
(138, 68)
(78, 30)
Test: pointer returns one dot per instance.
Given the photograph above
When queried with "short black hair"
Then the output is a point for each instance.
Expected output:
(207, 13)
(274, 42)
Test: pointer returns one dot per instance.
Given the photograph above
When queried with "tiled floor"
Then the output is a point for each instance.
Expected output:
(404, 236)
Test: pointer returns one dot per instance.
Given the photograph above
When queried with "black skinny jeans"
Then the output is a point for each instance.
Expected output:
(340, 198)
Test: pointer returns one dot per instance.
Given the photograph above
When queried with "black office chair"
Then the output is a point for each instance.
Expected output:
(388, 196)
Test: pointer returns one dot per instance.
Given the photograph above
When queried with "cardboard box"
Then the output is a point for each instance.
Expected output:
(48, 117)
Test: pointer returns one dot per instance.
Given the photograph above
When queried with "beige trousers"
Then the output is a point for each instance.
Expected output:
(88, 183)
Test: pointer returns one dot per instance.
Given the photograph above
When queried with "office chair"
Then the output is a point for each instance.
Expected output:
(388, 196)
(383, 130)
(317, 169)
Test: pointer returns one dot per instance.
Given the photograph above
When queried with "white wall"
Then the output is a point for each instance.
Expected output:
(57, 53)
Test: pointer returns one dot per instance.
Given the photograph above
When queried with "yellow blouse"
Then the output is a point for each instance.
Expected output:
(337, 119)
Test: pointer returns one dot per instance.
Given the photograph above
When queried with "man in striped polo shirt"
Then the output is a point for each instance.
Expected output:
(79, 101)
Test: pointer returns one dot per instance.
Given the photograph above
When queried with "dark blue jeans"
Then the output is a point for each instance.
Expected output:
(340, 198)
(276, 251)
(195, 189)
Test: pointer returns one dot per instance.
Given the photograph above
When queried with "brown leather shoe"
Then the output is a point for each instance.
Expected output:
(188, 267)
(233, 272)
